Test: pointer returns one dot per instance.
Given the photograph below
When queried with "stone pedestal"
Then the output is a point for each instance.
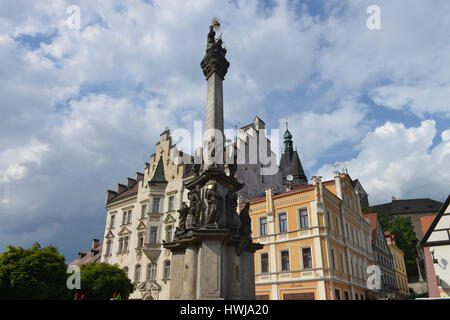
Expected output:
(216, 264)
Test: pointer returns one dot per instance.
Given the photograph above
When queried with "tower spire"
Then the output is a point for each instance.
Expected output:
(290, 163)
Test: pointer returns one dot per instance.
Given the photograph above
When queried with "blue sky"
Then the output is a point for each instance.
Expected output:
(83, 109)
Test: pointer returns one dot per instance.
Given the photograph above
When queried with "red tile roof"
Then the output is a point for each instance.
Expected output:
(89, 258)
(130, 191)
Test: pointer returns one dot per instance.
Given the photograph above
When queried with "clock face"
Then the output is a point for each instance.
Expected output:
(289, 177)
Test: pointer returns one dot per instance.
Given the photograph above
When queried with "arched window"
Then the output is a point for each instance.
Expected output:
(137, 273)
(167, 269)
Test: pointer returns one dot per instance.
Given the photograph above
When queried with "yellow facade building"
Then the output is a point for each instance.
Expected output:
(316, 243)
(399, 265)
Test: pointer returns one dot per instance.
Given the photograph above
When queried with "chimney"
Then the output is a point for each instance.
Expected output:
(317, 183)
(95, 243)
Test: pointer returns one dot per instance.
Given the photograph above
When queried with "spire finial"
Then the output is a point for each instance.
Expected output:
(286, 121)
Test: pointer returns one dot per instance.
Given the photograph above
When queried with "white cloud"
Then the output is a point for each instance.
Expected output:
(315, 133)
(418, 99)
(404, 65)
(14, 161)
(401, 162)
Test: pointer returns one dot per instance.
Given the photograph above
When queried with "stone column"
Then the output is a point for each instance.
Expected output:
(214, 103)
(190, 273)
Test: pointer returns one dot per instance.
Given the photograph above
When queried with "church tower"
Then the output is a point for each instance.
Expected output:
(290, 164)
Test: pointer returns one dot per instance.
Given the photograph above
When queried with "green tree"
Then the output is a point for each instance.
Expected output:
(385, 222)
(406, 240)
(34, 273)
(99, 281)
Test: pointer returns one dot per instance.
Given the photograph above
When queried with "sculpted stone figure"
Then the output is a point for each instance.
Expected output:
(195, 209)
(183, 211)
(246, 222)
(213, 200)
(232, 218)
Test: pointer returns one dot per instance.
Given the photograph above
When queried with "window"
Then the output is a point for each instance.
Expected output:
(112, 222)
(169, 233)
(120, 245)
(125, 244)
(153, 235)
(348, 233)
(282, 220)
(264, 262)
(143, 211)
(137, 273)
(126, 270)
(343, 263)
(108, 247)
(140, 239)
(337, 293)
(346, 295)
(124, 217)
(303, 217)
(129, 217)
(151, 272)
(262, 226)
(306, 258)
(171, 203)
(285, 261)
(333, 259)
(166, 269)
(156, 202)
(330, 223)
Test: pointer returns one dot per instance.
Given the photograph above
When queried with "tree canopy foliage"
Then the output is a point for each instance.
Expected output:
(33, 274)
(99, 281)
